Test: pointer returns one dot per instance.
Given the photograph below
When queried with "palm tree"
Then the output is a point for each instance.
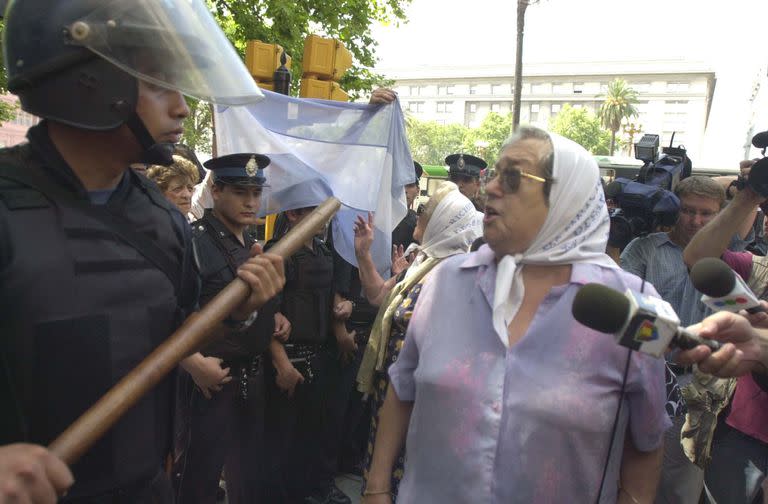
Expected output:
(619, 104)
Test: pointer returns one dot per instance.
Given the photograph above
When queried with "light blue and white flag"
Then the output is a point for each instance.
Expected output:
(356, 152)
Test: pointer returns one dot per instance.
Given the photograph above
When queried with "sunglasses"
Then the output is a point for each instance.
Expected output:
(510, 176)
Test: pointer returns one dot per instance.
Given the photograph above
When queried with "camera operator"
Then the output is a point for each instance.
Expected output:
(740, 444)
(658, 258)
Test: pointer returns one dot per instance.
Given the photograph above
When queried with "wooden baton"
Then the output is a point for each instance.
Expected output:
(187, 339)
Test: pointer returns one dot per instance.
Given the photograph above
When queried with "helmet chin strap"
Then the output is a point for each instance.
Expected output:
(158, 153)
(153, 152)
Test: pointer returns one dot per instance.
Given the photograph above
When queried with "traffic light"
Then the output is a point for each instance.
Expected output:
(325, 61)
(262, 60)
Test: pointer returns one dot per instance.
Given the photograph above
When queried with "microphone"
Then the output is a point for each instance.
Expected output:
(643, 323)
(760, 140)
(723, 289)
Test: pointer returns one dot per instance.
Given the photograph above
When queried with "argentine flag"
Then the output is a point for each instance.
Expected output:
(356, 152)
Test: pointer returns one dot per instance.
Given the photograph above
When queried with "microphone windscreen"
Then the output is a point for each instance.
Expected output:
(600, 308)
(760, 140)
(713, 277)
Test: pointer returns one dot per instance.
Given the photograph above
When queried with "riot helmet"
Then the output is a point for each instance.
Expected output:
(77, 61)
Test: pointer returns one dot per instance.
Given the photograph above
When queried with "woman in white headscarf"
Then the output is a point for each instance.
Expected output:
(447, 225)
(504, 397)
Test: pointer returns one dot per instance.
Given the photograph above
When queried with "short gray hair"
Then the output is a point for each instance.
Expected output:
(547, 163)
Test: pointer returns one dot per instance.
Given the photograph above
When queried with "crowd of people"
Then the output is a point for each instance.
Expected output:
(458, 375)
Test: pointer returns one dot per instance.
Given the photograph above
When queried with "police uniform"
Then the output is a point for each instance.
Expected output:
(403, 232)
(303, 441)
(227, 430)
(81, 304)
(465, 165)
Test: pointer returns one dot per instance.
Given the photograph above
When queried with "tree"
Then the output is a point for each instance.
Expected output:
(522, 5)
(7, 110)
(287, 22)
(583, 128)
(619, 104)
(486, 140)
(430, 142)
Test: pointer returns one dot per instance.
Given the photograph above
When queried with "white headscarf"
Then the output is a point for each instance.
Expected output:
(451, 229)
(575, 230)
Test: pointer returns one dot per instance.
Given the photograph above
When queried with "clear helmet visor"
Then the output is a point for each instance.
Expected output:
(171, 43)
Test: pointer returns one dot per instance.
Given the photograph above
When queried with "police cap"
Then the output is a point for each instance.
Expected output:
(465, 164)
(246, 169)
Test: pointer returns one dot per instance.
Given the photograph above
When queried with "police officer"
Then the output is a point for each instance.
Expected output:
(304, 435)
(96, 265)
(464, 170)
(225, 423)
(402, 236)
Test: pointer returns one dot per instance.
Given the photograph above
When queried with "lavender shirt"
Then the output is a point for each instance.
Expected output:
(526, 425)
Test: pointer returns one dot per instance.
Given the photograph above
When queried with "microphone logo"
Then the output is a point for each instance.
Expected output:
(646, 332)
(727, 303)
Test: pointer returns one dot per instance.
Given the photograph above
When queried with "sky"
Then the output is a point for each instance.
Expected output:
(730, 40)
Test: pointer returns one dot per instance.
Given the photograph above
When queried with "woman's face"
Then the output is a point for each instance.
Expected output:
(179, 193)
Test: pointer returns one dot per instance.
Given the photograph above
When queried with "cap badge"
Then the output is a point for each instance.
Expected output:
(251, 167)
(460, 163)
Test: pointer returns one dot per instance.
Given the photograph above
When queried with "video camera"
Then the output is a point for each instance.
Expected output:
(758, 174)
(648, 201)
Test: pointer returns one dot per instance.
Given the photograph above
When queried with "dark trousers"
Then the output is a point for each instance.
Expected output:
(301, 447)
(154, 490)
(224, 431)
(354, 413)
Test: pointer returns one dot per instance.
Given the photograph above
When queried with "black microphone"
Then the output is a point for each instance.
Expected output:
(760, 140)
(643, 323)
(723, 289)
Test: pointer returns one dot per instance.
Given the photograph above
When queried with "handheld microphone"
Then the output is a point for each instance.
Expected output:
(723, 289)
(760, 140)
(643, 323)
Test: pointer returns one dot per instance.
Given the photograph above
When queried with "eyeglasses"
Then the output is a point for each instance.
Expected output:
(509, 177)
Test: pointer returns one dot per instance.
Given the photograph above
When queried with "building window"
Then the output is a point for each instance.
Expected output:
(677, 87)
(535, 112)
(495, 107)
(473, 89)
(540, 89)
(526, 88)
(556, 108)
(561, 88)
(450, 89)
(603, 87)
(497, 89)
(641, 87)
(24, 119)
(414, 91)
(445, 107)
(415, 106)
(473, 108)
(578, 87)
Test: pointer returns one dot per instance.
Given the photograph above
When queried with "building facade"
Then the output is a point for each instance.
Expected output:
(674, 96)
(14, 131)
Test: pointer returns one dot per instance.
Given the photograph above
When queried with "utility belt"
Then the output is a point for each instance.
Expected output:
(303, 356)
(242, 370)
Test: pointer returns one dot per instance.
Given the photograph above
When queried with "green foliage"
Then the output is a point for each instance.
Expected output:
(619, 104)
(7, 110)
(431, 142)
(197, 127)
(583, 128)
(486, 140)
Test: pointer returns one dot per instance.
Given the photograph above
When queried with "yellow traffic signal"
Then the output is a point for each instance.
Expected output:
(325, 58)
(324, 90)
(262, 59)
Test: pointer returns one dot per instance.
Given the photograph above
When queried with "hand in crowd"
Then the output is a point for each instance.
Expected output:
(207, 373)
(745, 349)
(382, 96)
(282, 328)
(32, 474)
(758, 320)
(288, 377)
(343, 310)
(347, 345)
(400, 262)
(363, 234)
(265, 274)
